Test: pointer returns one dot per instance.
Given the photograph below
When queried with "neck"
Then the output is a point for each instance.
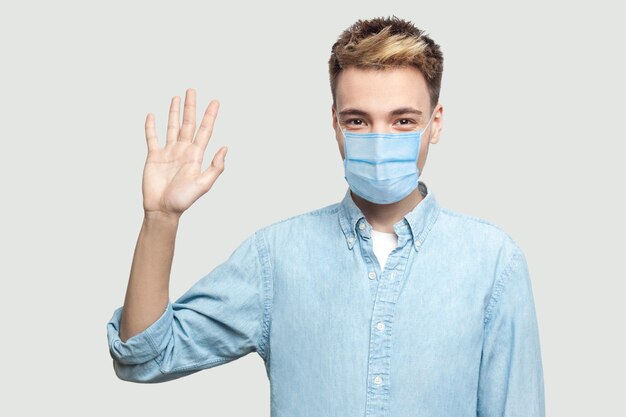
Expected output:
(382, 217)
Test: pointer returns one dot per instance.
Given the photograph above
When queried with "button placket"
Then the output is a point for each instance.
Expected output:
(381, 330)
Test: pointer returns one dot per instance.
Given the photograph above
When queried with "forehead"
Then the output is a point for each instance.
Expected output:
(381, 90)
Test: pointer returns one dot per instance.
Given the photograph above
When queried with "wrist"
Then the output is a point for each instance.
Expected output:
(161, 217)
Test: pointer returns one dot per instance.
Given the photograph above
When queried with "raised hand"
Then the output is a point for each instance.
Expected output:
(172, 179)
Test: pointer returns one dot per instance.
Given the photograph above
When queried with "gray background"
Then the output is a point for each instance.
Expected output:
(533, 141)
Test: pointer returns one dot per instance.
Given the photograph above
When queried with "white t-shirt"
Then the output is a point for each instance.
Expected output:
(383, 244)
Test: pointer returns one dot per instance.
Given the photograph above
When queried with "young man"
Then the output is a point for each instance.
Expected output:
(383, 304)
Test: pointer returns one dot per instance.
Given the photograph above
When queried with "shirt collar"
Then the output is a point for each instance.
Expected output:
(415, 225)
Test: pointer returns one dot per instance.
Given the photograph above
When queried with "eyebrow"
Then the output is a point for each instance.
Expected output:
(406, 110)
(352, 112)
(396, 112)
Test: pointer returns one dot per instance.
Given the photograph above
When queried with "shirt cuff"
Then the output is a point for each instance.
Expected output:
(143, 346)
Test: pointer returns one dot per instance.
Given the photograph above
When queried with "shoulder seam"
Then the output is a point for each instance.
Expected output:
(500, 283)
(479, 220)
(267, 296)
(330, 209)
(469, 217)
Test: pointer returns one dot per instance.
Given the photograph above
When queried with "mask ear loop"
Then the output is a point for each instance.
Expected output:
(339, 124)
(342, 133)
(429, 120)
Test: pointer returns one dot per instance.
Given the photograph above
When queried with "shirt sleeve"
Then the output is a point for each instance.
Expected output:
(511, 372)
(222, 317)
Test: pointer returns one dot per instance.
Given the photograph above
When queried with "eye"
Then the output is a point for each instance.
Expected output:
(355, 122)
(406, 121)
(405, 124)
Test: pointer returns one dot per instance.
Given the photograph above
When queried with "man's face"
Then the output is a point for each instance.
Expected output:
(390, 100)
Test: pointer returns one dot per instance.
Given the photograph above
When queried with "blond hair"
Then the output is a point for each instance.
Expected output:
(382, 43)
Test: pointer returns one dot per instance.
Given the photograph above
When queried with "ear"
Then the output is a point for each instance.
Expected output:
(437, 124)
(338, 135)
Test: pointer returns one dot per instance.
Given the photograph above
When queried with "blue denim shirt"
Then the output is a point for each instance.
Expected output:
(446, 328)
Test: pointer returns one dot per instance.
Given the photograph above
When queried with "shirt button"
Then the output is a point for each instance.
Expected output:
(417, 243)
(351, 239)
(372, 275)
(361, 226)
(378, 380)
(380, 326)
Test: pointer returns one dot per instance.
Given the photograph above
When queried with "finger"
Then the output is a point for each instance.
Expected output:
(189, 117)
(173, 121)
(206, 126)
(208, 177)
(151, 134)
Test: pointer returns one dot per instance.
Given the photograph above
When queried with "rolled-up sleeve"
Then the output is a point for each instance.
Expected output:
(511, 373)
(222, 317)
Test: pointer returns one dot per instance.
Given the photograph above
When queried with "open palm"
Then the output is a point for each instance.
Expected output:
(172, 179)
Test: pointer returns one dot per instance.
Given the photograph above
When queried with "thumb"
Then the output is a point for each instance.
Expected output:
(214, 170)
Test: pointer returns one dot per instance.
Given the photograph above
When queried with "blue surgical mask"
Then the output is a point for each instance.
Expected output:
(382, 167)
